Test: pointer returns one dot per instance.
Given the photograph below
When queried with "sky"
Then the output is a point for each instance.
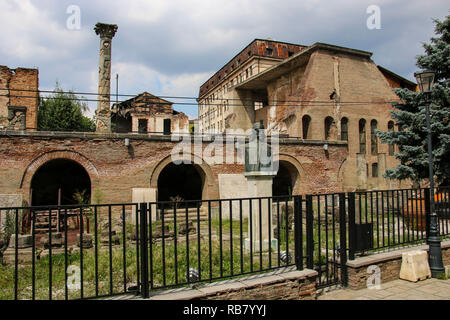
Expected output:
(170, 47)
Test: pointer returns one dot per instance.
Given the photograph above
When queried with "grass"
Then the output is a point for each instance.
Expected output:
(214, 261)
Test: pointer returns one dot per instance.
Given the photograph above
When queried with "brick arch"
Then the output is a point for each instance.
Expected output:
(210, 186)
(301, 173)
(63, 154)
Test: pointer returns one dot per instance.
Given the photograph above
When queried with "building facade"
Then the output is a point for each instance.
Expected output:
(322, 92)
(217, 94)
(147, 113)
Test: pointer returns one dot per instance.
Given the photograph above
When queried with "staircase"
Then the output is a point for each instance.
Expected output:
(181, 215)
(44, 221)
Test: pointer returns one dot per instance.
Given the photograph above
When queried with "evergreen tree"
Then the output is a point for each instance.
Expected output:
(62, 111)
(410, 116)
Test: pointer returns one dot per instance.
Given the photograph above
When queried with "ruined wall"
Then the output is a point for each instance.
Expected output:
(116, 169)
(19, 79)
(361, 91)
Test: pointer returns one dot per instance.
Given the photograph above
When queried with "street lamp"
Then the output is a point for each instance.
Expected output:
(425, 80)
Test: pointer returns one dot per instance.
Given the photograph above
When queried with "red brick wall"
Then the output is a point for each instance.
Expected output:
(115, 169)
(19, 79)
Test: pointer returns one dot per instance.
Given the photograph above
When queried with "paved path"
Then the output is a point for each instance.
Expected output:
(430, 289)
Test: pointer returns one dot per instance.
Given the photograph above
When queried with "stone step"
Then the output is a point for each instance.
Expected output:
(183, 219)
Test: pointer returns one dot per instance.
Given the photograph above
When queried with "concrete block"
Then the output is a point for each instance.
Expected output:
(23, 241)
(415, 266)
(143, 195)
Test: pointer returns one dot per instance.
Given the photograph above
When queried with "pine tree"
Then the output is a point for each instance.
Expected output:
(410, 116)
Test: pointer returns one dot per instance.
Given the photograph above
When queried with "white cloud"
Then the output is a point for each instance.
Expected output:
(170, 47)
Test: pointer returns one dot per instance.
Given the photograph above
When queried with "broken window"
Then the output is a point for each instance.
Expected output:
(373, 137)
(167, 128)
(362, 136)
(306, 127)
(344, 129)
(142, 125)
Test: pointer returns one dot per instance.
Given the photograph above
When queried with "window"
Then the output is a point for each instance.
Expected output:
(328, 125)
(362, 136)
(374, 170)
(391, 145)
(290, 53)
(269, 51)
(142, 125)
(167, 128)
(344, 129)
(258, 105)
(306, 127)
(373, 137)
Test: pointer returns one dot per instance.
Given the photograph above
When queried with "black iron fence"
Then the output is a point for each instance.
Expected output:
(93, 251)
(68, 252)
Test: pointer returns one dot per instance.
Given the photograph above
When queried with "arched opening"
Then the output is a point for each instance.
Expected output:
(344, 129)
(391, 145)
(306, 127)
(329, 122)
(285, 180)
(60, 180)
(181, 182)
(362, 136)
(373, 137)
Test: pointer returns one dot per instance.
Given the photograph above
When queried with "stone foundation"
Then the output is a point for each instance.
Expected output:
(389, 263)
(285, 284)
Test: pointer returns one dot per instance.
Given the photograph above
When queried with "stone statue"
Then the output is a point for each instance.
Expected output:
(258, 153)
(17, 118)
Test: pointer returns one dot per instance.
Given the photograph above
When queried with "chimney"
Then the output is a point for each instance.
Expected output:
(103, 114)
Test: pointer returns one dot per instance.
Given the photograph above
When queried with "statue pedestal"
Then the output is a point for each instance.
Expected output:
(259, 219)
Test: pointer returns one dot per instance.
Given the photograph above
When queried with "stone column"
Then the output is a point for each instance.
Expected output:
(260, 185)
(103, 114)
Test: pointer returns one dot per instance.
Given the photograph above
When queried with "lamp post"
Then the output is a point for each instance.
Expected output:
(425, 80)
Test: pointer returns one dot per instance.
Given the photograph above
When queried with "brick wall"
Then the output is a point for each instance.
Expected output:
(287, 289)
(19, 79)
(116, 169)
(282, 284)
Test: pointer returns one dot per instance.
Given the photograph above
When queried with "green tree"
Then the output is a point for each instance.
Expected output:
(410, 116)
(63, 111)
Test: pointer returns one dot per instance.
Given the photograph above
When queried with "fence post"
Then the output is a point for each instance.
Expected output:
(343, 239)
(309, 233)
(298, 232)
(144, 249)
(426, 194)
(351, 225)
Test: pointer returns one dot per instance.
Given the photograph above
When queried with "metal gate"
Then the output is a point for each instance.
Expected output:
(325, 240)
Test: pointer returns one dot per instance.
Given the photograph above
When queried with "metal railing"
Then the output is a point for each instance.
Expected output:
(93, 251)
(68, 252)
(195, 241)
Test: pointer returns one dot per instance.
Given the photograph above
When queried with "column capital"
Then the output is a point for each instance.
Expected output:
(105, 30)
